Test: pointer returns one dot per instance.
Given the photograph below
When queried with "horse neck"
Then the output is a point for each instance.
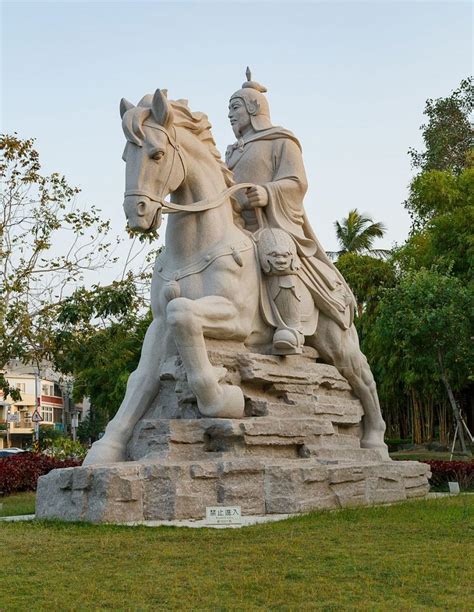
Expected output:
(191, 235)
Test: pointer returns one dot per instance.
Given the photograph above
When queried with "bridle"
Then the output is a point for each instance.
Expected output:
(176, 150)
(170, 207)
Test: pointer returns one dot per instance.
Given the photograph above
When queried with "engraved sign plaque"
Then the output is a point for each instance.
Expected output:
(223, 515)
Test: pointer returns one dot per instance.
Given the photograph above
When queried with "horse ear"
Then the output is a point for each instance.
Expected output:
(161, 109)
(125, 105)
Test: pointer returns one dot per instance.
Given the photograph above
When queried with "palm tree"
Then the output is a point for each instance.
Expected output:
(356, 234)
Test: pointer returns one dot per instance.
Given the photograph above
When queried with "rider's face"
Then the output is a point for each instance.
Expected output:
(239, 117)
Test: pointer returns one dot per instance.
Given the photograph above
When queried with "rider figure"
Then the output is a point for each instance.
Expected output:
(270, 157)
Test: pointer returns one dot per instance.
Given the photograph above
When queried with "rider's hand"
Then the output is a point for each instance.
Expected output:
(257, 196)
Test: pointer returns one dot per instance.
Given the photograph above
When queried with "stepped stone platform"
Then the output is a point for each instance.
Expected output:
(297, 449)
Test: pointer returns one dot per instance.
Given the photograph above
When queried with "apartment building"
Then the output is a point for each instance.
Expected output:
(54, 404)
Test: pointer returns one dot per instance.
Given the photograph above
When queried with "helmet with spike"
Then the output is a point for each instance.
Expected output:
(255, 102)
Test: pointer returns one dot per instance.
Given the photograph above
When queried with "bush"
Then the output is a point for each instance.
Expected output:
(48, 435)
(394, 444)
(65, 448)
(21, 472)
(452, 471)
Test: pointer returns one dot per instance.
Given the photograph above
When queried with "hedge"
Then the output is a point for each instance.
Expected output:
(21, 472)
(452, 471)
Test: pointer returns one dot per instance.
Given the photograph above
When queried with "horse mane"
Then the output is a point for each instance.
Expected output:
(195, 122)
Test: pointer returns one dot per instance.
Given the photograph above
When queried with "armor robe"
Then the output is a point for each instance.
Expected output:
(272, 158)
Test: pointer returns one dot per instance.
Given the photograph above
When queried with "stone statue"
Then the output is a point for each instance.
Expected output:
(207, 282)
(270, 157)
(228, 404)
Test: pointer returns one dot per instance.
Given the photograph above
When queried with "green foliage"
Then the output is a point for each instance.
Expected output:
(17, 504)
(86, 306)
(356, 234)
(48, 435)
(366, 276)
(448, 133)
(442, 208)
(55, 444)
(434, 193)
(101, 360)
(427, 315)
(423, 325)
(93, 425)
(65, 448)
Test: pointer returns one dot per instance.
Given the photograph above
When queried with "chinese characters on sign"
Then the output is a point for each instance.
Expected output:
(223, 515)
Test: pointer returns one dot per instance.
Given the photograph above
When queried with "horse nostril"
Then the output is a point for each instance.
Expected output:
(141, 208)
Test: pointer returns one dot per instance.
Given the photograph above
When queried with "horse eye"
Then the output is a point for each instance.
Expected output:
(158, 155)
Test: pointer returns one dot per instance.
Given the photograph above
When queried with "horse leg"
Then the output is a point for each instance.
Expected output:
(341, 348)
(189, 320)
(142, 387)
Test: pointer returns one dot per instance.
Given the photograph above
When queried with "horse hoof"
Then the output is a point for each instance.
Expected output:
(105, 452)
(380, 447)
(231, 404)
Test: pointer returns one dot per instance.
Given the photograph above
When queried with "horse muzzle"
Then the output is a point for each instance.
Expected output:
(143, 214)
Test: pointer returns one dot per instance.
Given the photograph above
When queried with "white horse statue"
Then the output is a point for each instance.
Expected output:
(206, 282)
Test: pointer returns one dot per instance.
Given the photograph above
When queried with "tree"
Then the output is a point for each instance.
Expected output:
(435, 192)
(47, 244)
(101, 359)
(420, 342)
(366, 276)
(356, 234)
(442, 208)
(448, 133)
(416, 338)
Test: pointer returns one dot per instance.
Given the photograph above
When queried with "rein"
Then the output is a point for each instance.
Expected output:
(206, 204)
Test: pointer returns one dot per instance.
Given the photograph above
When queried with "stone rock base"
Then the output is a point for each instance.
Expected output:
(296, 449)
(134, 491)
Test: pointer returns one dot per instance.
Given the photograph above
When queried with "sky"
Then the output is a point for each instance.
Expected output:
(350, 79)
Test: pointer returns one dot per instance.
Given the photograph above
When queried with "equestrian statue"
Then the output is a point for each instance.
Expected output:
(241, 262)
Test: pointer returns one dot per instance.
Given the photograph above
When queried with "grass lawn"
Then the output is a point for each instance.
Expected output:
(411, 556)
(417, 455)
(20, 503)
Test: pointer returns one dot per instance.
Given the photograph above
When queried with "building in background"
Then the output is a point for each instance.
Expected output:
(56, 406)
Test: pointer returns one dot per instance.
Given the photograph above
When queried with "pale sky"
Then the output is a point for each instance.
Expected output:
(350, 79)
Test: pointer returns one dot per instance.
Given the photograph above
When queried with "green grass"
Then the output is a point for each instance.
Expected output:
(417, 455)
(411, 556)
(19, 503)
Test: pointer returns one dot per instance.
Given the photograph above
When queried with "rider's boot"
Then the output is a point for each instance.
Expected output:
(288, 338)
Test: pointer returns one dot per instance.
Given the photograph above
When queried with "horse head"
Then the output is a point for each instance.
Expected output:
(154, 163)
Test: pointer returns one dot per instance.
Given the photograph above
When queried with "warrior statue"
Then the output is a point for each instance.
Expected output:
(208, 282)
(270, 157)
(228, 404)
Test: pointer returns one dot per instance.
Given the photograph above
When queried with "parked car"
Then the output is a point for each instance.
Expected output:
(8, 452)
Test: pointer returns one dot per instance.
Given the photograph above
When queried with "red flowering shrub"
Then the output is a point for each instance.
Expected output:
(452, 471)
(21, 472)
